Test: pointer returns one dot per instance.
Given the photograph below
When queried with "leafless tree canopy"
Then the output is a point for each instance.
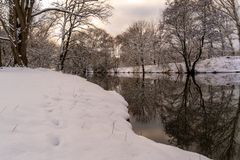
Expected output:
(17, 18)
(188, 31)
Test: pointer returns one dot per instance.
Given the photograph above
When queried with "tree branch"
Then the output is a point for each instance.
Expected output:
(4, 39)
(60, 10)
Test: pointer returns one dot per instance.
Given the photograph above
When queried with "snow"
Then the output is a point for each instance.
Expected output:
(228, 64)
(220, 64)
(171, 67)
(46, 115)
(155, 76)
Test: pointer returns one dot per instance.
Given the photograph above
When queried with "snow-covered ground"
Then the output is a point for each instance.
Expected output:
(220, 64)
(45, 115)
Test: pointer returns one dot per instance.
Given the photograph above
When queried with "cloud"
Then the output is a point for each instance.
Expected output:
(127, 12)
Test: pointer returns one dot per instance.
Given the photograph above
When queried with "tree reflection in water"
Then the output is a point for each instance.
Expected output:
(194, 116)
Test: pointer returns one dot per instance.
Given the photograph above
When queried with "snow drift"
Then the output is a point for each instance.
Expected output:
(45, 115)
(229, 64)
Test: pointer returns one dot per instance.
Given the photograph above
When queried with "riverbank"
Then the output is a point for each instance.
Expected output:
(54, 116)
(228, 64)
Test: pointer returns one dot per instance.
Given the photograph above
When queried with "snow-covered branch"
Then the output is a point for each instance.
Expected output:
(61, 10)
(54, 9)
(4, 38)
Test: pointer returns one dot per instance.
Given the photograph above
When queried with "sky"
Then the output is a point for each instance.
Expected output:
(126, 12)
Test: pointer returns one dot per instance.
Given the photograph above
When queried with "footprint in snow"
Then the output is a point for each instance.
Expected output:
(50, 110)
(47, 105)
(55, 122)
(56, 99)
(45, 96)
(54, 140)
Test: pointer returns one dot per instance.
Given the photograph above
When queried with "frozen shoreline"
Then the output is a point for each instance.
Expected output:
(47, 115)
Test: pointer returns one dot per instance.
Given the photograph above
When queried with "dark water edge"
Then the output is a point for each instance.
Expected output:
(200, 115)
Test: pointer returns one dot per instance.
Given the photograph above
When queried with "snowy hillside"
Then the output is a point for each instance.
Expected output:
(45, 115)
(220, 65)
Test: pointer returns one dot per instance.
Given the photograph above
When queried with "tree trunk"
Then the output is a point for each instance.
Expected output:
(0, 56)
(238, 30)
(65, 45)
(23, 47)
(20, 50)
(143, 67)
(186, 65)
(13, 31)
(236, 18)
(223, 45)
(231, 44)
(20, 18)
(65, 51)
(193, 71)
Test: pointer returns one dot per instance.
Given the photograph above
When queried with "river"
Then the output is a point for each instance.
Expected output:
(200, 114)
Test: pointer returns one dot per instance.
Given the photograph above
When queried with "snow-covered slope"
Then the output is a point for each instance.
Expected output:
(219, 65)
(45, 115)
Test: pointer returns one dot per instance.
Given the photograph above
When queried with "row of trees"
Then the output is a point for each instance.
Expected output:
(89, 50)
(142, 44)
(92, 50)
(189, 30)
(26, 30)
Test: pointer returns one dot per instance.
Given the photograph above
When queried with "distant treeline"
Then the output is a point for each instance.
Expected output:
(188, 30)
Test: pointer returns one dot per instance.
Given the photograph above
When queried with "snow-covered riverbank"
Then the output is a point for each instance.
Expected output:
(45, 115)
(214, 65)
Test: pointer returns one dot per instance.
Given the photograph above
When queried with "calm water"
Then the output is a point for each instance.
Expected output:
(200, 115)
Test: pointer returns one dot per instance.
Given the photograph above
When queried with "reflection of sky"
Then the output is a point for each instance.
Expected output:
(153, 130)
(126, 12)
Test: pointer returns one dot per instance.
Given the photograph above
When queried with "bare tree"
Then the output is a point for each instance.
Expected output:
(90, 50)
(42, 51)
(190, 24)
(159, 43)
(137, 44)
(71, 23)
(16, 17)
(231, 8)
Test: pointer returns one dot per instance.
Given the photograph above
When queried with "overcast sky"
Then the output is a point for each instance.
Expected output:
(126, 12)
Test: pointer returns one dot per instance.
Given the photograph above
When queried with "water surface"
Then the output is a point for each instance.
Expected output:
(200, 114)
